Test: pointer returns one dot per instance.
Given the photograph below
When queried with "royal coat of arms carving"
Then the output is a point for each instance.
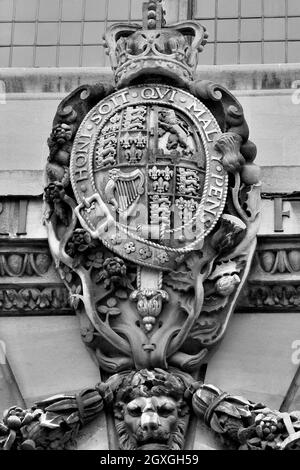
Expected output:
(152, 209)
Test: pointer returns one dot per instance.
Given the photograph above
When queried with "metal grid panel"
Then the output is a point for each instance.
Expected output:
(59, 32)
(35, 33)
(256, 31)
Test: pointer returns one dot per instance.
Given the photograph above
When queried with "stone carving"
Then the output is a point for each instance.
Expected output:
(152, 210)
(274, 279)
(279, 261)
(24, 264)
(151, 409)
(51, 424)
(244, 425)
(155, 48)
(271, 296)
(31, 299)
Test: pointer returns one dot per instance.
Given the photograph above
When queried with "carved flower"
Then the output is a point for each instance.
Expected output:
(79, 242)
(113, 273)
(109, 310)
(163, 257)
(129, 247)
(95, 260)
(269, 431)
(145, 252)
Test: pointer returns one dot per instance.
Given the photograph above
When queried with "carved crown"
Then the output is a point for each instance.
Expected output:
(154, 48)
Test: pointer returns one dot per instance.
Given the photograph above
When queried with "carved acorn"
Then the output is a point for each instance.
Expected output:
(225, 285)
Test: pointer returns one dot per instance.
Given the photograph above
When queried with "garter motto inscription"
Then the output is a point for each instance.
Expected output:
(176, 193)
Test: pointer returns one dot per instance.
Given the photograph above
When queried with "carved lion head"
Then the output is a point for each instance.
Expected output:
(151, 410)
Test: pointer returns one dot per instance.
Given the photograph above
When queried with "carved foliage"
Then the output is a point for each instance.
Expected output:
(69, 115)
(272, 296)
(244, 425)
(32, 299)
(142, 145)
(151, 411)
(51, 424)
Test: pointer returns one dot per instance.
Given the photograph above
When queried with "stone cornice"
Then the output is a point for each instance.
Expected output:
(274, 280)
(63, 80)
(275, 179)
(29, 284)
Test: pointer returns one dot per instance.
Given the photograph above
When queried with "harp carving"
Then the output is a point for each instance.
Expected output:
(123, 190)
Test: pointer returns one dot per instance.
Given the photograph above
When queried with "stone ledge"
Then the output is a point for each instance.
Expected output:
(66, 79)
(21, 182)
(279, 179)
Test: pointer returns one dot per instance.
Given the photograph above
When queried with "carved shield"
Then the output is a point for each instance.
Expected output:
(145, 173)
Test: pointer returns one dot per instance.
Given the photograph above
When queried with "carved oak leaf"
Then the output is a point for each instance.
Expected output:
(95, 260)
(214, 303)
(227, 237)
(184, 280)
(233, 410)
(65, 273)
(32, 298)
(180, 280)
(215, 424)
(50, 420)
(194, 263)
(202, 328)
(251, 201)
(223, 268)
(108, 311)
(75, 296)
